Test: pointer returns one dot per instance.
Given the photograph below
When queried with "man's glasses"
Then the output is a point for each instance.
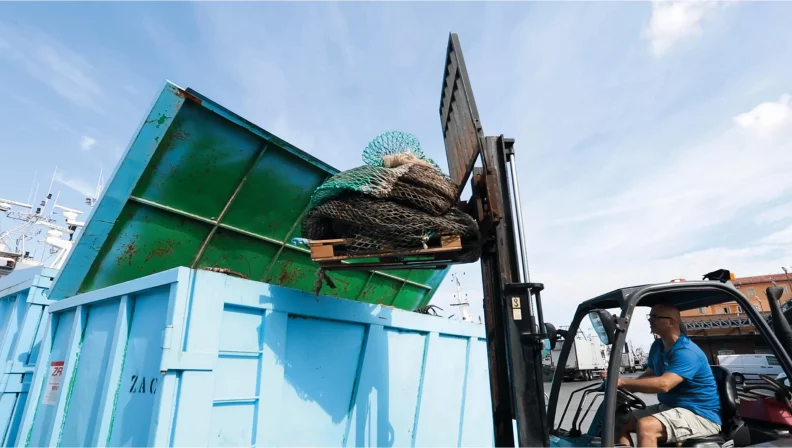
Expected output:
(652, 317)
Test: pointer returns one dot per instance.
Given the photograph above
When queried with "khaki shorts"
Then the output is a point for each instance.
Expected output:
(680, 423)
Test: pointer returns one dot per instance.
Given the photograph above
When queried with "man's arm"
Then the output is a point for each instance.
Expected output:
(647, 373)
(651, 385)
(681, 365)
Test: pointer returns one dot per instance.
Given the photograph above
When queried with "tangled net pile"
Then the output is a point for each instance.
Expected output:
(398, 201)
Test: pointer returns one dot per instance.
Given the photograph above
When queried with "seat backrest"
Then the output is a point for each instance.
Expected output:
(727, 391)
(733, 427)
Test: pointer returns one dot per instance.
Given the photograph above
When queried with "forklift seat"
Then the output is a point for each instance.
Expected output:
(732, 427)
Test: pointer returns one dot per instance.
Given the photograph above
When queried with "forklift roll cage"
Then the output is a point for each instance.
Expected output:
(683, 295)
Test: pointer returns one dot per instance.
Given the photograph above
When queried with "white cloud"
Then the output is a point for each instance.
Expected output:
(697, 187)
(35, 112)
(675, 21)
(63, 70)
(767, 119)
(774, 215)
(282, 128)
(80, 185)
(87, 143)
(783, 237)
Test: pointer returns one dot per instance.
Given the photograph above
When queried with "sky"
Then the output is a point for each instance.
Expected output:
(653, 139)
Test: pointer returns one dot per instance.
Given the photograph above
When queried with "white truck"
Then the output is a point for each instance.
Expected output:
(586, 359)
(627, 362)
(751, 366)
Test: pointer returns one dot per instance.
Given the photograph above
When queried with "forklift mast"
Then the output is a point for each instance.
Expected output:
(512, 304)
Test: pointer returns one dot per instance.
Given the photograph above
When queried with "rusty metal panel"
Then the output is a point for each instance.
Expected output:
(203, 188)
(462, 132)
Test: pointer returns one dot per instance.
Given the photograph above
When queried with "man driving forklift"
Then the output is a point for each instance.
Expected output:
(679, 373)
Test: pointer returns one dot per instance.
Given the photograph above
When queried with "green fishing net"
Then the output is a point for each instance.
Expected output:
(416, 182)
(399, 200)
(393, 142)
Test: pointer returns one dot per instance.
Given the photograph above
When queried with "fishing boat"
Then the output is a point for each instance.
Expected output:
(22, 222)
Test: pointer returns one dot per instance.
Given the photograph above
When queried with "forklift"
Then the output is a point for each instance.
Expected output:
(514, 323)
(737, 429)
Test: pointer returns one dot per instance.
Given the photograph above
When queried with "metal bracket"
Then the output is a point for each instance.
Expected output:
(518, 297)
(622, 323)
(508, 146)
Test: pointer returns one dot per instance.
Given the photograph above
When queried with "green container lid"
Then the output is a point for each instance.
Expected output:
(201, 187)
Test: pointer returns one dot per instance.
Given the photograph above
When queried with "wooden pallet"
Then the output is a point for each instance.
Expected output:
(333, 252)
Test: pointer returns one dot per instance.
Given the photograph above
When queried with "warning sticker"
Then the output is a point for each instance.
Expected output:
(54, 380)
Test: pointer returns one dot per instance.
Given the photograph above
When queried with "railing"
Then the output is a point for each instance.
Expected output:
(723, 321)
(754, 380)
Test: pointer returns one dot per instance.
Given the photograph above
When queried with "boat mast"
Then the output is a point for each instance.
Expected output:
(462, 303)
(30, 216)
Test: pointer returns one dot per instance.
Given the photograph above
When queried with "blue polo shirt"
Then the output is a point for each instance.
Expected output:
(698, 391)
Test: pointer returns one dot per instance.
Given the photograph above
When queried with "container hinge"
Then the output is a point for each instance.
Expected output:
(41, 299)
(195, 361)
(167, 334)
(4, 378)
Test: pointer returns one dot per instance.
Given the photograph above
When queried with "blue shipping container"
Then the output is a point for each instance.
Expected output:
(23, 317)
(196, 358)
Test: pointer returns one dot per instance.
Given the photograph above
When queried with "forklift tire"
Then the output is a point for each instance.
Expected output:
(738, 378)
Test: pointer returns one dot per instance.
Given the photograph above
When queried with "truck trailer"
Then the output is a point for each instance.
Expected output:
(586, 359)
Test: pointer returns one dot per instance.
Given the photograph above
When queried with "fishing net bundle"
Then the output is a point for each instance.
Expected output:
(399, 200)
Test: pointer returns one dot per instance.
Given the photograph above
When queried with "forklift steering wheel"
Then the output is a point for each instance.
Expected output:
(630, 399)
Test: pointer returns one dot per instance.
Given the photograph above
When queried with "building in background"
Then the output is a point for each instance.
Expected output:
(725, 329)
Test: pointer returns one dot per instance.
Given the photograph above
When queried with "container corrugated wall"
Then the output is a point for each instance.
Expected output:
(196, 358)
(23, 317)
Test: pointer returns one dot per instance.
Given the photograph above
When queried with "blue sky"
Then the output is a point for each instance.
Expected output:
(654, 140)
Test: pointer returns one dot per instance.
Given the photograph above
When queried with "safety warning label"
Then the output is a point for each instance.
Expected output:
(54, 380)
